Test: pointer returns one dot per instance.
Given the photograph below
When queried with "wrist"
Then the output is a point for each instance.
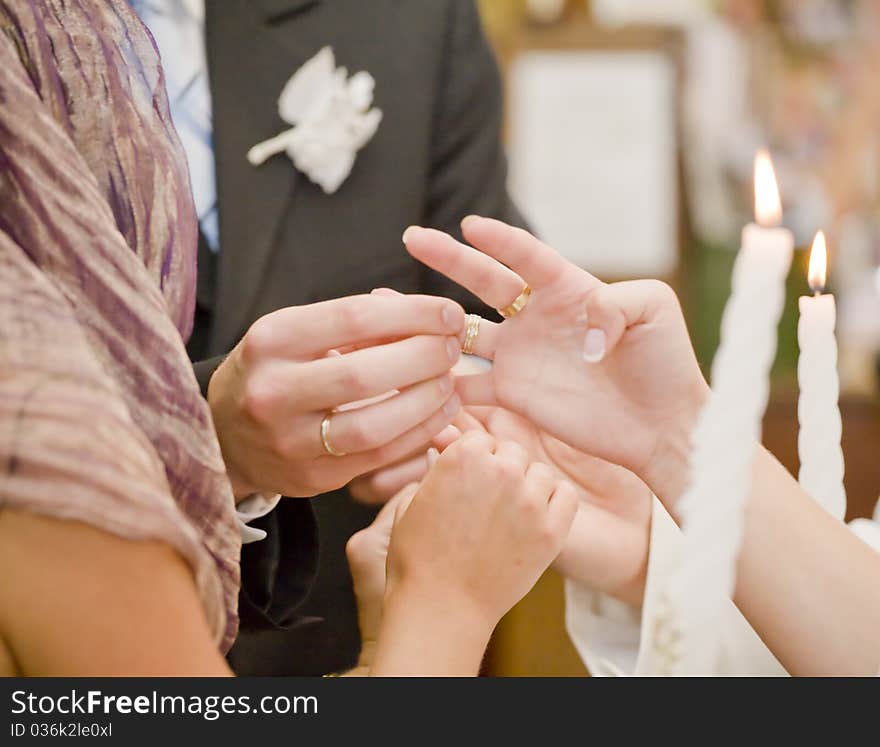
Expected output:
(217, 397)
(668, 470)
(430, 633)
(367, 655)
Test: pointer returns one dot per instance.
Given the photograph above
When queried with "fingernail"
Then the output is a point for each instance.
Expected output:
(594, 345)
(469, 219)
(453, 405)
(450, 319)
(446, 385)
(333, 353)
(409, 233)
(453, 347)
(433, 456)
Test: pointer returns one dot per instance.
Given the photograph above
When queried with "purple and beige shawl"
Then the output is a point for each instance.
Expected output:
(101, 419)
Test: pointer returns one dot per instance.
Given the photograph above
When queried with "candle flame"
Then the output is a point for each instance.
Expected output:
(818, 264)
(768, 205)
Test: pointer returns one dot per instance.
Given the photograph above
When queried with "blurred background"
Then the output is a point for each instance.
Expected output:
(631, 128)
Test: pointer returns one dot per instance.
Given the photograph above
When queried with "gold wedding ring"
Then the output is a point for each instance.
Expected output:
(325, 437)
(471, 332)
(518, 304)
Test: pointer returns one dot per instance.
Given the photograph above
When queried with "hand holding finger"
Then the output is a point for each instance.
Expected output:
(304, 332)
(379, 486)
(328, 382)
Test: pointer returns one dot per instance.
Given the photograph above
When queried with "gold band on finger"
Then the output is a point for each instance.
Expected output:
(471, 333)
(325, 437)
(519, 303)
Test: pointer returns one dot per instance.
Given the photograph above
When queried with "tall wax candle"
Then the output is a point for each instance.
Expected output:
(727, 435)
(821, 456)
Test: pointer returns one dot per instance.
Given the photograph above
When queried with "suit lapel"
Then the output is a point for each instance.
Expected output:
(251, 54)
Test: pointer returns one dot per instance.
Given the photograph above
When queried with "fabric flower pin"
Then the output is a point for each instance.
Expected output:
(331, 117)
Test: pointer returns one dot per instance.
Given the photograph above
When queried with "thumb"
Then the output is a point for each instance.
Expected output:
(449, 435)
(398, 505)
(612, 309)
(385, 292)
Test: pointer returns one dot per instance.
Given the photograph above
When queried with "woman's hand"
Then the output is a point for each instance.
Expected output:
(480, 531)
(269, 397)
(378, 487)
(607, 547)
(608, 369)
(367, 552)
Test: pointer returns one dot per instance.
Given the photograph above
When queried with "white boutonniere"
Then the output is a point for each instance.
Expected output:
(331, 117)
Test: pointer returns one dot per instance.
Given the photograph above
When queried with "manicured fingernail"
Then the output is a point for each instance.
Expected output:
(446, 385)
(452, 317)
(469, 219)
(453, 347)
(410, 233)
(433, 456)
(594, 345)
(453, 405)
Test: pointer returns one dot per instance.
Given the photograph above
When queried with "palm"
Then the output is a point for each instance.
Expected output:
(615, 409)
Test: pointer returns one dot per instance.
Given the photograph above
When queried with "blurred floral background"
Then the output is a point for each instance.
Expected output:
(799, 76)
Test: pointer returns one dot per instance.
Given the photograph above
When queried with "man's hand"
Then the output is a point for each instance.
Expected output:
(270, 396)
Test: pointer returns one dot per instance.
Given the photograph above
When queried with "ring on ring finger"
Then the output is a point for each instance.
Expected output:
(325, 437)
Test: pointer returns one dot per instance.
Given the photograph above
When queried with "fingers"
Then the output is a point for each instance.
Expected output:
(471, 445)
(397, 505)
(484, 344)
(360, 464)
(513, 456)
(478, 389)
(450, 434)
(378, 424)
(476, 417)
(379, 486)
(302, 332)
(531, 259)
(612, 309)
(541, 481)
(443, 440)
(563, 507)
(329, 382)
(400, 503)
(487, 279)
(469, 420)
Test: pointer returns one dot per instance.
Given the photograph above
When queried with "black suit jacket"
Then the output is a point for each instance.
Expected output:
(435, 159)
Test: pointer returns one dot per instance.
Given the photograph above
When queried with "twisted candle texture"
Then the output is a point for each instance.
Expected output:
(821, 456)
(724, 444)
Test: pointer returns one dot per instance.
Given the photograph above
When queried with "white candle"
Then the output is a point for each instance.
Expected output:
(727, 434)
(819, 448)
